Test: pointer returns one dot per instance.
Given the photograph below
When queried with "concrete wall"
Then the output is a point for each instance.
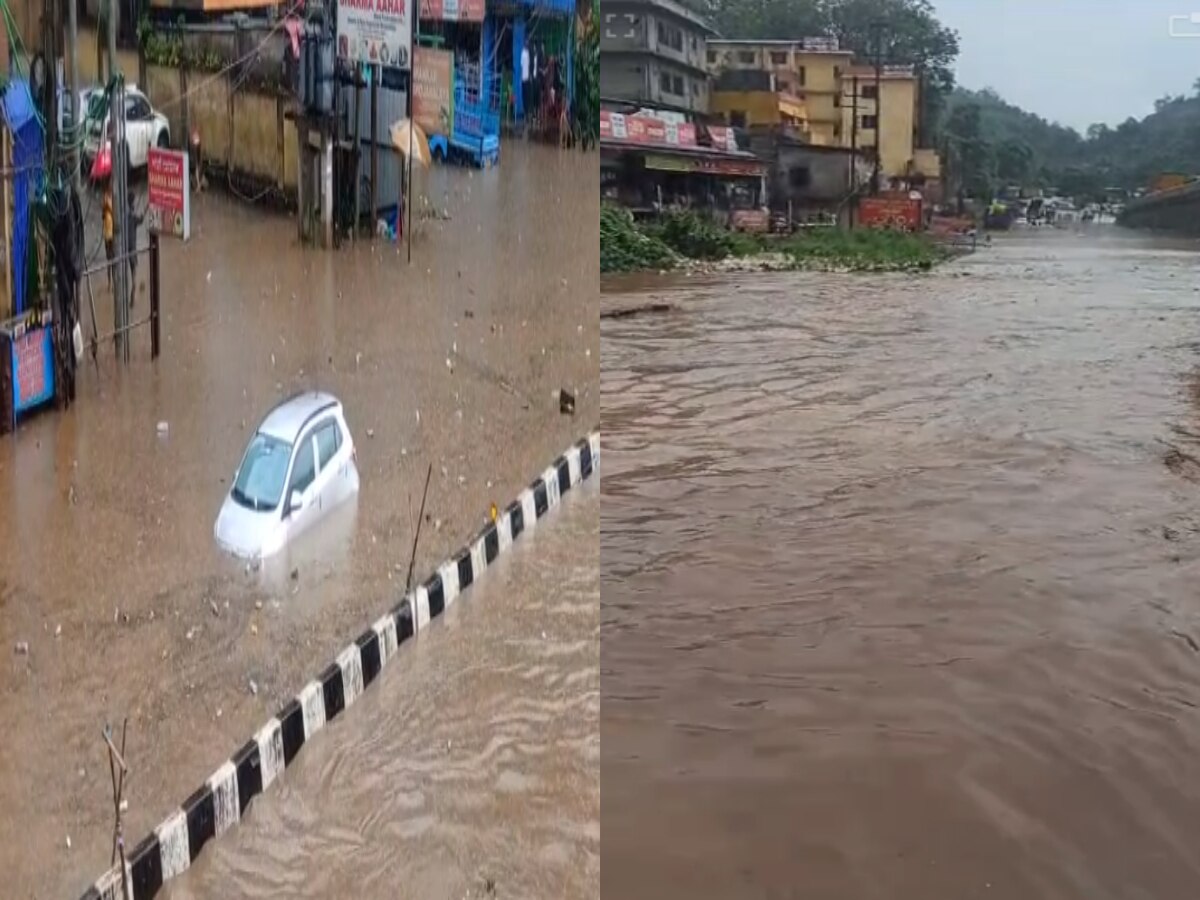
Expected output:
(624, 77)
(244, 129)
(811, 178)
(89, 63)
(1177, 211)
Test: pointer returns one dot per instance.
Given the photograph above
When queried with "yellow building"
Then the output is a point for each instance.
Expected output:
(809, 70)
(896, 101)
(743, 104)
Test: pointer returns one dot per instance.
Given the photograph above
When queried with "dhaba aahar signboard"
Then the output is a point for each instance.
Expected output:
(168, 193)
(376, 32)
(452, 10)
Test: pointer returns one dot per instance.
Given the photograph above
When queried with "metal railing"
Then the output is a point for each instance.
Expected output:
(153, 318)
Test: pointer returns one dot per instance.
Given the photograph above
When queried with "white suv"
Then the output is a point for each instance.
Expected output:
(144, 128)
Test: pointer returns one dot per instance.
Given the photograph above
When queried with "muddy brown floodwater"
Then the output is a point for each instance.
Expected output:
(899, 580)
(108, 569)
(471, 771)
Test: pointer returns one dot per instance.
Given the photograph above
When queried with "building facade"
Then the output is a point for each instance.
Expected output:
(652, 53)
(750, 99)
(810, 69)
(886, 114)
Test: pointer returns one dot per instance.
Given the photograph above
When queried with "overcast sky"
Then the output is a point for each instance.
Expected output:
(1076, 61)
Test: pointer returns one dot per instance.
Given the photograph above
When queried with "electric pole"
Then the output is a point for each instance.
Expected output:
(76, 132)
(877, 32)
(116, 118)
(853, 146)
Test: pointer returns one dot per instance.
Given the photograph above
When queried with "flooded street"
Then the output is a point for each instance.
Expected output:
(899, 580)
(475, 761)
(110, 573)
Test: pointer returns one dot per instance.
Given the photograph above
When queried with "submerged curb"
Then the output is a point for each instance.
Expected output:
(221, 802)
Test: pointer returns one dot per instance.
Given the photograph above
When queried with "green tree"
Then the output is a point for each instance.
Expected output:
(1014, 161)
(968, 154)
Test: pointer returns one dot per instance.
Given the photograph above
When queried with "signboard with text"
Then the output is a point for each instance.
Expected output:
(433, 95)
(452, 10)
(32, 369)
(169, 200)
(896, 211)
(378, 32)
(645, 130)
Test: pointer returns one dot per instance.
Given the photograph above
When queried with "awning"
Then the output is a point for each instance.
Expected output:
(700, 160)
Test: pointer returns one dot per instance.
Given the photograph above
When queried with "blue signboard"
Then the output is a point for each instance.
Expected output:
(32, 369)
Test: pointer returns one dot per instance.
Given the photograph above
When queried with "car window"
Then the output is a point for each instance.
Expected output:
(260, 478)
(137, 108)
(329, 441)
(304, 471)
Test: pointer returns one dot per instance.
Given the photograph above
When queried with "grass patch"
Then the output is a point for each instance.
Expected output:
(626, 246)
(862, 250)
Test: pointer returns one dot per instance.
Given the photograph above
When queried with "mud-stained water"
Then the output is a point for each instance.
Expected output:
(472, 769)
(899, 581)
(108, 569)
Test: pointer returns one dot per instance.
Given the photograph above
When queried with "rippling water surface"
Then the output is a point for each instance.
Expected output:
(470, 770)
(900, 581)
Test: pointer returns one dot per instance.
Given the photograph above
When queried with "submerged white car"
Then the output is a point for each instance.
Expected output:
(300, 465)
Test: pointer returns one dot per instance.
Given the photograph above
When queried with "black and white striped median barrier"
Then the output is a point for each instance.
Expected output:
(219, 804)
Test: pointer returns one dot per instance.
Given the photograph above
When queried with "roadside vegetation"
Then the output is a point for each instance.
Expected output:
(688, 240)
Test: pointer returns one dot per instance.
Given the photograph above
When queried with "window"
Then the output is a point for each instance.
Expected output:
(304, 470)
(867, 122)
(800, 177)
(695, 89)
(329, 441)
(677, 85)
(779, 57)
(137, 108)
(712, 57)
(664, 82)
(737, 118)
(670, 37)
(746, 57)
(869, 92)
(259, 481)
(801, 74)
(837, 101)
(837, 73)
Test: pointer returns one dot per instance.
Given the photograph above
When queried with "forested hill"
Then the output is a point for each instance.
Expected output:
(1021, 147)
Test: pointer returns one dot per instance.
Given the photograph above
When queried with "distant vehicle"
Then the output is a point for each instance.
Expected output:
(144, 128)
(300, 465)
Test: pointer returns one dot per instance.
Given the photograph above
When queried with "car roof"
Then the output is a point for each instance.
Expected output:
(288, 419)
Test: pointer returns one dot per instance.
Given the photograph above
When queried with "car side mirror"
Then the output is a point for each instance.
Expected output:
(295, 502)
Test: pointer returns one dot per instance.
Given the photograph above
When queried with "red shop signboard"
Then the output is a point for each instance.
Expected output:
(452, 10)
(900, 212)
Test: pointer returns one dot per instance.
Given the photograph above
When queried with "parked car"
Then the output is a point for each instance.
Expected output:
(144, 128)
(85, 100)
(300, 465)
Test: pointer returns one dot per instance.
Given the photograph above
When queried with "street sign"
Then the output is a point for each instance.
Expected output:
(169, 206)
(378, 32)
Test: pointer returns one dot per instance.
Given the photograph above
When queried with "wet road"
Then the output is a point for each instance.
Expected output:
(475, 761)
(106, 527)
(899, 580)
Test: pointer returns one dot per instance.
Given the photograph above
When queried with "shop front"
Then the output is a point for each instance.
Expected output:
(652, 166)
(457, 96)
